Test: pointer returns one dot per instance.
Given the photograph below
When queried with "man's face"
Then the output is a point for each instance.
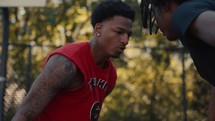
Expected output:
(163, 18)
(114, 35)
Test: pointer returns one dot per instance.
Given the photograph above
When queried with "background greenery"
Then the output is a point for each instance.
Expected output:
(149, 85)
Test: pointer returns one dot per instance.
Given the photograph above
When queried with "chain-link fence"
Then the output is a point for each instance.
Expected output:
(20, 74)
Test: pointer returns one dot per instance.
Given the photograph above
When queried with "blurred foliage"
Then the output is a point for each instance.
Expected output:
(149, 85)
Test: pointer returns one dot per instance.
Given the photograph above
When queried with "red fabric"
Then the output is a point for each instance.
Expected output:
(85, 102)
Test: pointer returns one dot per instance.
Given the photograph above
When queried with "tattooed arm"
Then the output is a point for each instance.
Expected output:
(58, 73)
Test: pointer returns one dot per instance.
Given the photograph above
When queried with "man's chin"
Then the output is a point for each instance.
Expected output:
(116, 56)
(172, 38)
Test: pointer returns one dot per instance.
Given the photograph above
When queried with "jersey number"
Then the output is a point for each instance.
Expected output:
(95, 110)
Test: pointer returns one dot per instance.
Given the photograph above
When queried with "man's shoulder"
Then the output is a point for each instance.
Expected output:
(190, 10)
(75, 44)
(73, 47)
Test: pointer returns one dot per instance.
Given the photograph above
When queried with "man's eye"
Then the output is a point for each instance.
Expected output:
(119, 33)
(129, 34)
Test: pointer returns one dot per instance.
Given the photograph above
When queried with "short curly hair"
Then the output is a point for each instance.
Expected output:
(110, 8)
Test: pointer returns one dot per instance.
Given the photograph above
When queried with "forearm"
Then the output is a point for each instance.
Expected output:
(211, 111)
(19, 117)
(26, 112)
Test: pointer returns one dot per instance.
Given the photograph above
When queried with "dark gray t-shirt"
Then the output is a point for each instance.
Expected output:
(203, 55)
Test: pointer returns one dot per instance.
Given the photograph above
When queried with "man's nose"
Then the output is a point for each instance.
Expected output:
(125, 39)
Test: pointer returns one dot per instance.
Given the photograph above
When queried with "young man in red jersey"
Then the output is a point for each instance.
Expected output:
(77, 77)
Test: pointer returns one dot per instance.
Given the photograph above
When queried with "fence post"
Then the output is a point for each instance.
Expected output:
(28, 79)
(184, 85)
(5, 35)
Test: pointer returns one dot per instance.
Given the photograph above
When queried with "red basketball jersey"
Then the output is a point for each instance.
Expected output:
(85, 102)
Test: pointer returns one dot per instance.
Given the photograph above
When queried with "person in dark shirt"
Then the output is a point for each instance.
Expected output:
(193, 23)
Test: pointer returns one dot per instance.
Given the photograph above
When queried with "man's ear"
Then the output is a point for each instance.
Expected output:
(98, 28)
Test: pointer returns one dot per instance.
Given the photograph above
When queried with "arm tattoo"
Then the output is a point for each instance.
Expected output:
(58, 73)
